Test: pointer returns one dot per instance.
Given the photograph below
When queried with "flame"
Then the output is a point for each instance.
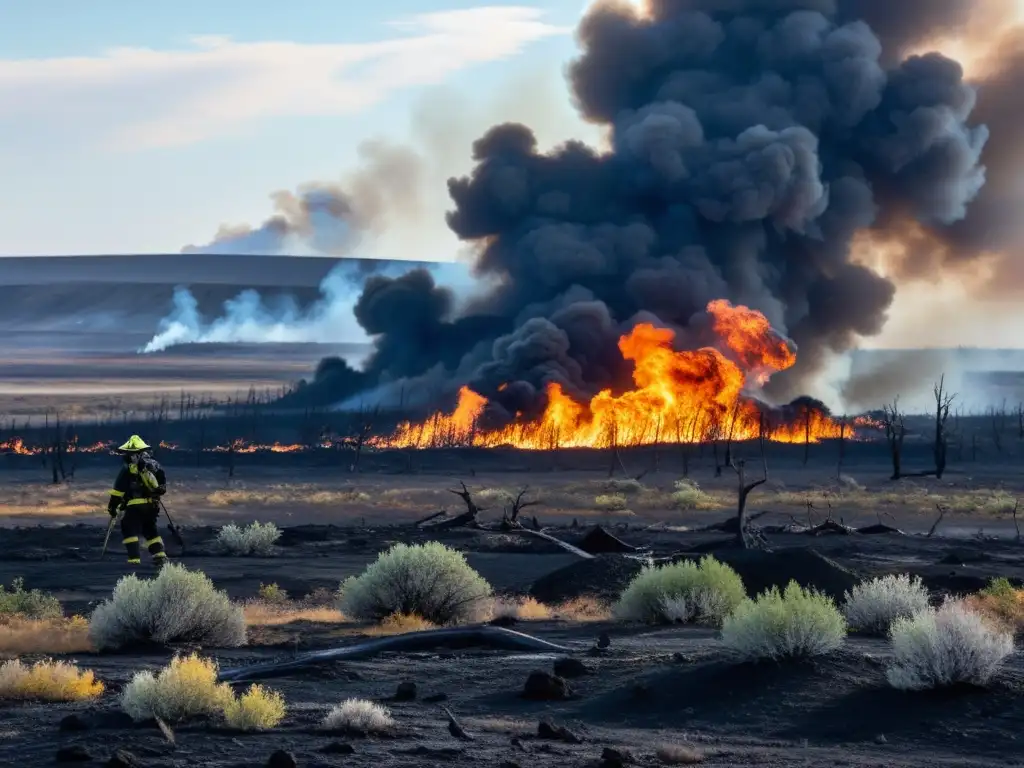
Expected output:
(678, 397)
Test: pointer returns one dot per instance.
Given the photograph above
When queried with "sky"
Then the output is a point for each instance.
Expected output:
(143, 127)
(131, 127)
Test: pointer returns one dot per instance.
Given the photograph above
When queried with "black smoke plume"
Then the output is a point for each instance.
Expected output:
(750, 140)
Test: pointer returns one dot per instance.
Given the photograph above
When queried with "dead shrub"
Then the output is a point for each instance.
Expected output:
(19, 636)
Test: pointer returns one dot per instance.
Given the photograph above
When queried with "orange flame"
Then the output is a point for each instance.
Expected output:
(679, 397)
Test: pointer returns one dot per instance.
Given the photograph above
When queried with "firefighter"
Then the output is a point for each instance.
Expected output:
(137, 491)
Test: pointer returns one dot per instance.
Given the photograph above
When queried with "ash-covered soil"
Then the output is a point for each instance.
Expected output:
(650, 687)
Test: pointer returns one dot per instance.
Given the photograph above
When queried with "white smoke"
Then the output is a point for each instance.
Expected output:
(248, 318)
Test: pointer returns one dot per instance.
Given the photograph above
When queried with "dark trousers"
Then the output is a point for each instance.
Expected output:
(140, 520)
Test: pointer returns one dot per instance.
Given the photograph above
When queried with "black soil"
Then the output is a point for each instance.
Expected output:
(648, 687)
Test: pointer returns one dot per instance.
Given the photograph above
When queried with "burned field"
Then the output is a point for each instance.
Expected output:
(656, 694)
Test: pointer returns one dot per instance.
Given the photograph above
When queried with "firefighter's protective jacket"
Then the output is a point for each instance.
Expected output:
(137, 483)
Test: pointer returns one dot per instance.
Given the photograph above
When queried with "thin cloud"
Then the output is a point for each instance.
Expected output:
(136, 98)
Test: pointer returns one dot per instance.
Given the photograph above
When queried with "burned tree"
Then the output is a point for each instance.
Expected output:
(362, 425)
(510, 517)
(842, 449)
(467, 518)
(745, 537)
(895, 434)
(943, 400)
(998, 426)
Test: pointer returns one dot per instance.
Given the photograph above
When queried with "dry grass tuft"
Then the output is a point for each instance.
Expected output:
(269, 615)
(679, 754)
(523, 609)
(273, 607)
(360, 716)
(47, 681)
(399, 624)
(585, 608)
(1001, 604)
(284, 494)
(18, 636)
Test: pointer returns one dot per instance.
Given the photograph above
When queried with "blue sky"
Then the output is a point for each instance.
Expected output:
(143, 127)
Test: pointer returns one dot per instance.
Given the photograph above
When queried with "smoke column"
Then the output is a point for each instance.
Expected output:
(249, 318)
(750, 141)
(333, 219)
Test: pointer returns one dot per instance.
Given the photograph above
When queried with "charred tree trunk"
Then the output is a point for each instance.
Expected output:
(943, 400)
(842, 448)
(895, 433)
(744, 537)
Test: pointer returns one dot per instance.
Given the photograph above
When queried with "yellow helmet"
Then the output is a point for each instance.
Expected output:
(135, 443)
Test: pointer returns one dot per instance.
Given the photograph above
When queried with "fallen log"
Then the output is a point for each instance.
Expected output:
(433, 516)
(497, 638)
(563, 544)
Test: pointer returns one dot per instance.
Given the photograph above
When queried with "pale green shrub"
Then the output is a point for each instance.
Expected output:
(611, 502)
(429, 580)
(938, 647)
(685, 591)
(255, 539)
(872, 606)
(688, 495)
(176, 606)
(794, 623)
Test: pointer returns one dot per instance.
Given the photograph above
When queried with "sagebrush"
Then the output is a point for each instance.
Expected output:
(794, 623)
(872, 606)
(188, 688)
(255, 539)
(939, 647)
(429, 580)
(685, 591)
(177, 606)
(185, 688)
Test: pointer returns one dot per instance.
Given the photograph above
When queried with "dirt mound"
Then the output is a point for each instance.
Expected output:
(763, 570)
(604, 577)
(598, 541)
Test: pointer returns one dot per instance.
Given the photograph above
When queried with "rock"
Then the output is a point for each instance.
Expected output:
(616, 758)
(406, 691)
(880, 739)
(73, 754)
(549, 732)
(603, 577)
(337, 748)
(122, 758)
(568, 667)
(74, 723)
(281, 759)
(541, 686)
